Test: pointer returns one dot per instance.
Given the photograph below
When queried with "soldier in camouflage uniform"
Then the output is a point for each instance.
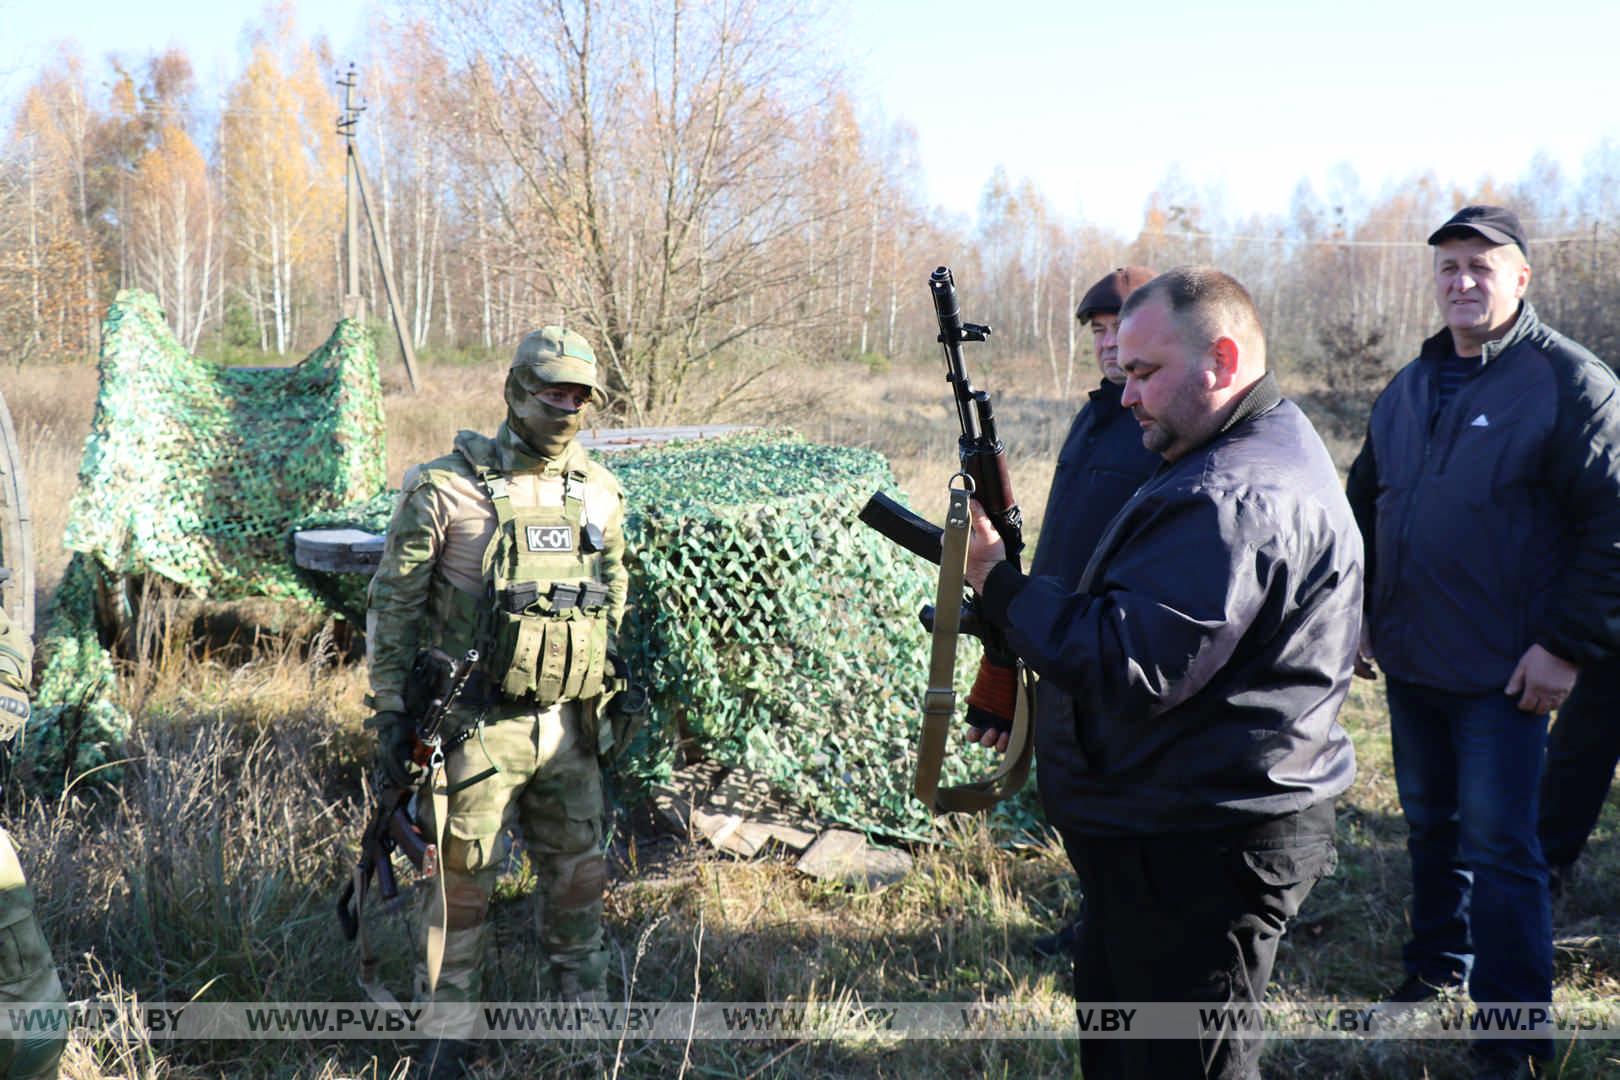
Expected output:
(27, 972)
(513, 546)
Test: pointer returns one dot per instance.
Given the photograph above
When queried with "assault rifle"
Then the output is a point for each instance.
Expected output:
(393, 823)
(983, 459)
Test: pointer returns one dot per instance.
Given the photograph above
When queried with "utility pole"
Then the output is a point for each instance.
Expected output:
(354, 182)
(354, 305)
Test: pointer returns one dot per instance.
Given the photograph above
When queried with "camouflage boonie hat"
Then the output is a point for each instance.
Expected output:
(554, 355)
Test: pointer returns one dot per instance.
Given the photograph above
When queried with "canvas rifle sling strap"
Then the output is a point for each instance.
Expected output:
(440, 928)
(939, 703)
(370, 980)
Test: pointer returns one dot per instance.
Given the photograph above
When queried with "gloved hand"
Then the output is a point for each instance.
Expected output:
(395, 744)
(13, 711)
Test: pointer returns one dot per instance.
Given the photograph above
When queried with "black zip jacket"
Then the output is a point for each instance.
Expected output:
(1493, 523)
(1101, 465)
(1201, 660)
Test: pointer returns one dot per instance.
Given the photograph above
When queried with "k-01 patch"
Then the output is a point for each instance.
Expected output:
(549, 538)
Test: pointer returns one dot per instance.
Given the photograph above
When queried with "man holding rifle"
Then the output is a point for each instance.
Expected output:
(1189, 751)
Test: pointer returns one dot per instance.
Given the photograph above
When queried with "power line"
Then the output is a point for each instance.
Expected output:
(1571, 238)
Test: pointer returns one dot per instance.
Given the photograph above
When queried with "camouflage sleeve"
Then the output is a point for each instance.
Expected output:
(615, 574)
(396, 603)
(16, 654)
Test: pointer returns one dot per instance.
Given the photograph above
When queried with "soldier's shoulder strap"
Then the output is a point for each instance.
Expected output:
(478, 452)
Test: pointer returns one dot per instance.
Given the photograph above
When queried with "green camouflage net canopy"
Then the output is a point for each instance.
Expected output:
(776, 630)
(192, 474)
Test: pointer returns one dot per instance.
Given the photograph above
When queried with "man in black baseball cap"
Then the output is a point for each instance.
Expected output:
(1488, 495)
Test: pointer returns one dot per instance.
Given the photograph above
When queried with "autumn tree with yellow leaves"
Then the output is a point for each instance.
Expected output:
(283, 170)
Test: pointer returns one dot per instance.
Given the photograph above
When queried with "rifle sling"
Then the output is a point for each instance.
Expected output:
(939, 703)
(437, 932)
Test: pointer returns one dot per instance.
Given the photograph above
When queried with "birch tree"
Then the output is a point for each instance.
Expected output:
(663, 178)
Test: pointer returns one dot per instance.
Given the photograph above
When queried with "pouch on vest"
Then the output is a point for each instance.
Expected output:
(546, 614)
(548, 652)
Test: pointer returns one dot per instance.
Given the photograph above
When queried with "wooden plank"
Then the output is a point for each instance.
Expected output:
(844, 856)
(16, 529)
(748, 796)
(673, 803)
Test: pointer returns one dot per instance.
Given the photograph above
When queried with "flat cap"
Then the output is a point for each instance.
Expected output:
(1108, 295)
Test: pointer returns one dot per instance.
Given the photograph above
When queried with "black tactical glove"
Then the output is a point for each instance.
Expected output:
(619, 671)
(396, 742)
(623, 712)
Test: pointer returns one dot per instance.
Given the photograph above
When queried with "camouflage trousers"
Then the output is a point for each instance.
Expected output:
(550, 787)
(27, 972)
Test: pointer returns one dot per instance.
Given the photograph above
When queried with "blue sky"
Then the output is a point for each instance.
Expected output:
(1098, 103)
(211, 31)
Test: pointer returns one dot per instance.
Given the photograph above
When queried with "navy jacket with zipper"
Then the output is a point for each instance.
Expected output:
(1191, 677)
(1493, 523)
(1101, 465)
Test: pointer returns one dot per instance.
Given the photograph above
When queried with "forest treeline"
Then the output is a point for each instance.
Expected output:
(693, 185)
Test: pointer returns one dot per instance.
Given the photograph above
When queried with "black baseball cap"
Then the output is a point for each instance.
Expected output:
(1497, 224)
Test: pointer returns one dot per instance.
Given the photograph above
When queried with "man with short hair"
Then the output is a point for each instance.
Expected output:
(513, 546)
(1101, 465)
(1190, 753)
(1488, 494)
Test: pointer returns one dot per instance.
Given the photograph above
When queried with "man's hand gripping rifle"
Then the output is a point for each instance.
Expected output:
(992, 704)
(393, 824)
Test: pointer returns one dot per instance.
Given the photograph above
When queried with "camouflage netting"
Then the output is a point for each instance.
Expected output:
(192, 474)
(776, 631)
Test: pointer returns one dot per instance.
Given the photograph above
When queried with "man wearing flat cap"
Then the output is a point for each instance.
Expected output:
(1101, 465)
(512, 546)
(1488, 496)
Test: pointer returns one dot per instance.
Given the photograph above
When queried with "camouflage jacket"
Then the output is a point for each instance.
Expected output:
(443, 530)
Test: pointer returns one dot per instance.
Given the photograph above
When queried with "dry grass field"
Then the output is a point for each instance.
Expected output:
(209, 872)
